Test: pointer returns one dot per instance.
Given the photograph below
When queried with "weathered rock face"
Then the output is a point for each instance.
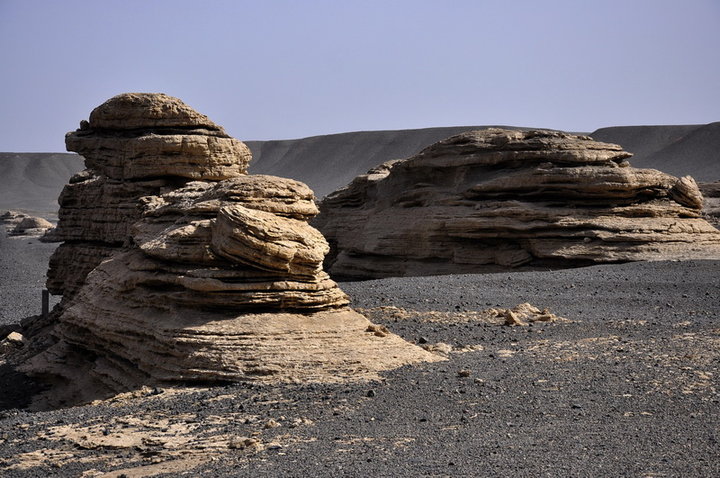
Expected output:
(135, 144)
(224, 281)
(495, 198)
(207, 281)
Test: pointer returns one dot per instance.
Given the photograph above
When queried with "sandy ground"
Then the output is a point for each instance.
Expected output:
(627, 386)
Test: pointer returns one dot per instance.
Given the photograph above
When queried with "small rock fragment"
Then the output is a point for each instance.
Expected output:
(440, 348)
(512, 319)
(378, 330)
(15, 338)
(242, 443)
(271, 424)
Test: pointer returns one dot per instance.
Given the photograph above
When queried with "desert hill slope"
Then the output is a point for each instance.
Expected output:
(328, 162)
(676, 150)
(33, 181)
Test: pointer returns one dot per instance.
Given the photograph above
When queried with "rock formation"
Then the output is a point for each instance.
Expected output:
(496, 198)
(215, 279)
(32, 226)
(21, 224)
(134, 145)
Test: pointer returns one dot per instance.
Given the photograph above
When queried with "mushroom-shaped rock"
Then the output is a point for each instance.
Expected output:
(169, 279)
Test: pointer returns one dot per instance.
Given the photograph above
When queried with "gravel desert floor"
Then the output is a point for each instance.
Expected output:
(626, 386)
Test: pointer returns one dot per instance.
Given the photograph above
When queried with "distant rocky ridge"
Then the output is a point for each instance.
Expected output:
(32, 181)
(179, 267)
(499, 198)
(676, 150)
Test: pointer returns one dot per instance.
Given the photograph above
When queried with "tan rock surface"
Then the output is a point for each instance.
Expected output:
(135, 145)
(493, 199)
(183, 308)
(168, 279)
(31, 226)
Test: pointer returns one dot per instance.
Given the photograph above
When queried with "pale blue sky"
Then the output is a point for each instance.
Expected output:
(288, 69)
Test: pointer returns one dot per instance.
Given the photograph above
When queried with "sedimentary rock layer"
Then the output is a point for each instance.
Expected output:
(135, 145)
(221, 281)
(171, 279)
(495, 198)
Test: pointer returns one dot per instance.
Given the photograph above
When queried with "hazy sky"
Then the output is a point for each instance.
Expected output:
(269, 69)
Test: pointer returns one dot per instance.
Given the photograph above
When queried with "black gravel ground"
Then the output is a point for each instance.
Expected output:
(627, 387)
(23, 263)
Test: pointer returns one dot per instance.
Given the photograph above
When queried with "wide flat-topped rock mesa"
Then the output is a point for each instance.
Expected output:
(498, 199)
(217, 277)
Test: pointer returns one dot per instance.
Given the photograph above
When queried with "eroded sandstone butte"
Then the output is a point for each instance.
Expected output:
(135, 144)
(497, 199)
(179, 267)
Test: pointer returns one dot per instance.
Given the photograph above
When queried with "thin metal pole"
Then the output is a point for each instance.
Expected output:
(45, 303)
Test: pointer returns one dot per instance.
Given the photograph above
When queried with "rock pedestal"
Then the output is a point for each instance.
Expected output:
(496, 199)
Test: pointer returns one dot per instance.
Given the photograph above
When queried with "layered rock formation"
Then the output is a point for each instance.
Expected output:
(496, 198)
(134, 145)
(219, 279)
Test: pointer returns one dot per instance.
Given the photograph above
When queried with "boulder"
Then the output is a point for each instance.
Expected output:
(497, 199)
(11, 219)
(20, 224)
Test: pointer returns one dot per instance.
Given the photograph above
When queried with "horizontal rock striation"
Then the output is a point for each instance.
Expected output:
(221, 281)
(496, 199)
(135, 145)
(202, 281)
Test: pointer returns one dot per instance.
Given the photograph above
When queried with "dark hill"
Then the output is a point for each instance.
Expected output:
(32, 182)
(678, 150)
(328, 162)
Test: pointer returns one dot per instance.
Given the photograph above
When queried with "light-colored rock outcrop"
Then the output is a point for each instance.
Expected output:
(135, 145)
(496, 198)
(711, 203)
(21, 224)
(212, 280)
(32, 226)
